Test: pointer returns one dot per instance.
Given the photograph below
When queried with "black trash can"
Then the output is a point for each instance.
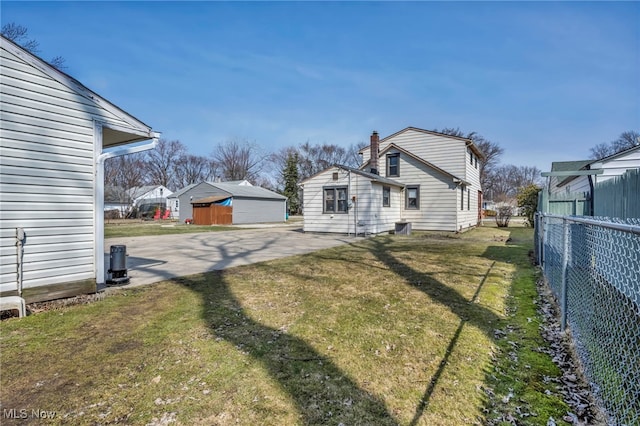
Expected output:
(118, 265)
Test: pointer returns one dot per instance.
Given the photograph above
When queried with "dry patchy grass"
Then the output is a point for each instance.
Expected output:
(391, 330)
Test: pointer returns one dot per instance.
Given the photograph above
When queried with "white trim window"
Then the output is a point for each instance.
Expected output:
(412, 197)
(386, 196)
(335, 199)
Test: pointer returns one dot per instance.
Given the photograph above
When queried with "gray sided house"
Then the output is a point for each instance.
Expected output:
(55, 134)
(251, 204)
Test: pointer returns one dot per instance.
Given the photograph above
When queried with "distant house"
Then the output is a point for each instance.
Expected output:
(250, 204)
(586, 194)
(173, 200)
(117, 199)
(55, 135)
(415, 176)
(145, 199)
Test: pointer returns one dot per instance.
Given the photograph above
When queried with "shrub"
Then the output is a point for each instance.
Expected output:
(528, 201)
(503, 216)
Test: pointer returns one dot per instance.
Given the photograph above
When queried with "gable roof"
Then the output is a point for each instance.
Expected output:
(566, 166)
(113, 134)
(182, 191)
(246, 191)
(420, 160)
(617, 154)
(569, 166)
(468, 142)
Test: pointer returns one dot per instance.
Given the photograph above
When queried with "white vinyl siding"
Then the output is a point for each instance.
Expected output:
(47, 174)
(446, 153)
(366, 215)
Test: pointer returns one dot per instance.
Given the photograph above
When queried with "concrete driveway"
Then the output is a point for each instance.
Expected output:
(156, 258)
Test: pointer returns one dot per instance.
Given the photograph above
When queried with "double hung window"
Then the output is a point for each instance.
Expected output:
(335, 200)
(412, 195)
(393, 165)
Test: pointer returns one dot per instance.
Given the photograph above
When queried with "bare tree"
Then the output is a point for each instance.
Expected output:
(625, 141)
(238, 160)
(315, 158)
(507, 180)
(601, 150)
(120, 175)
(126, 171)
(191, 169)
(20, 35)
(162, 163)
(353, 157)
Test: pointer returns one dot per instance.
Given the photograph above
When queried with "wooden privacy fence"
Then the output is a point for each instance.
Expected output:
(619, 197)
(574, 204)
(212, 214)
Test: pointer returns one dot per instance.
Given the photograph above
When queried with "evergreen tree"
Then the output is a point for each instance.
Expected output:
(290, 175)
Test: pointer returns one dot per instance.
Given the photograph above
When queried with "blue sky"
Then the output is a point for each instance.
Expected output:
(544, 80)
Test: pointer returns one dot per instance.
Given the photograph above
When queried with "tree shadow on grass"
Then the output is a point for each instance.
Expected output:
(467, 310)
(322, 393)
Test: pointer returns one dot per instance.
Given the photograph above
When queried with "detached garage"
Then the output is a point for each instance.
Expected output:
(214, 210)
(246, 204)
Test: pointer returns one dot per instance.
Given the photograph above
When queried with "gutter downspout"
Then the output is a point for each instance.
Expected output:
(99, 201)
(20, 240)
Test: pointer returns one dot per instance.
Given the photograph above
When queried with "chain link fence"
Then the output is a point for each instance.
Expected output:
(592, 266)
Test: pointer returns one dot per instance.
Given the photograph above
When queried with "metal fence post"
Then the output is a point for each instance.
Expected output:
(565, 275)
(540, 231)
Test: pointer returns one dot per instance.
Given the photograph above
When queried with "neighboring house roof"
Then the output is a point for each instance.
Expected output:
(247, 191)
(467, 141)
(239, 182)
(182, 191)
(617, 154)
(112, 135)
(139, 191)
(566, 166)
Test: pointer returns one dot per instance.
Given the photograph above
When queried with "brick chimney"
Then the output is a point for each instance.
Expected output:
(375, 144)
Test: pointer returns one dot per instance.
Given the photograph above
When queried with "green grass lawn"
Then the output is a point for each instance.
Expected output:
(389, 330)
(139, 228)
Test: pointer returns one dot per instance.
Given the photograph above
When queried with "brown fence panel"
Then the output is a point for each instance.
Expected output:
(212, 214)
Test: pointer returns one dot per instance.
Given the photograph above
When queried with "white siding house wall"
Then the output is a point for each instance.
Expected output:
(440, 197)
(437, 193)
(444, 152)
(383, 219)
(48, 166)
(314, 218)
(468, 212)
(160, 191)
(366, 215)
